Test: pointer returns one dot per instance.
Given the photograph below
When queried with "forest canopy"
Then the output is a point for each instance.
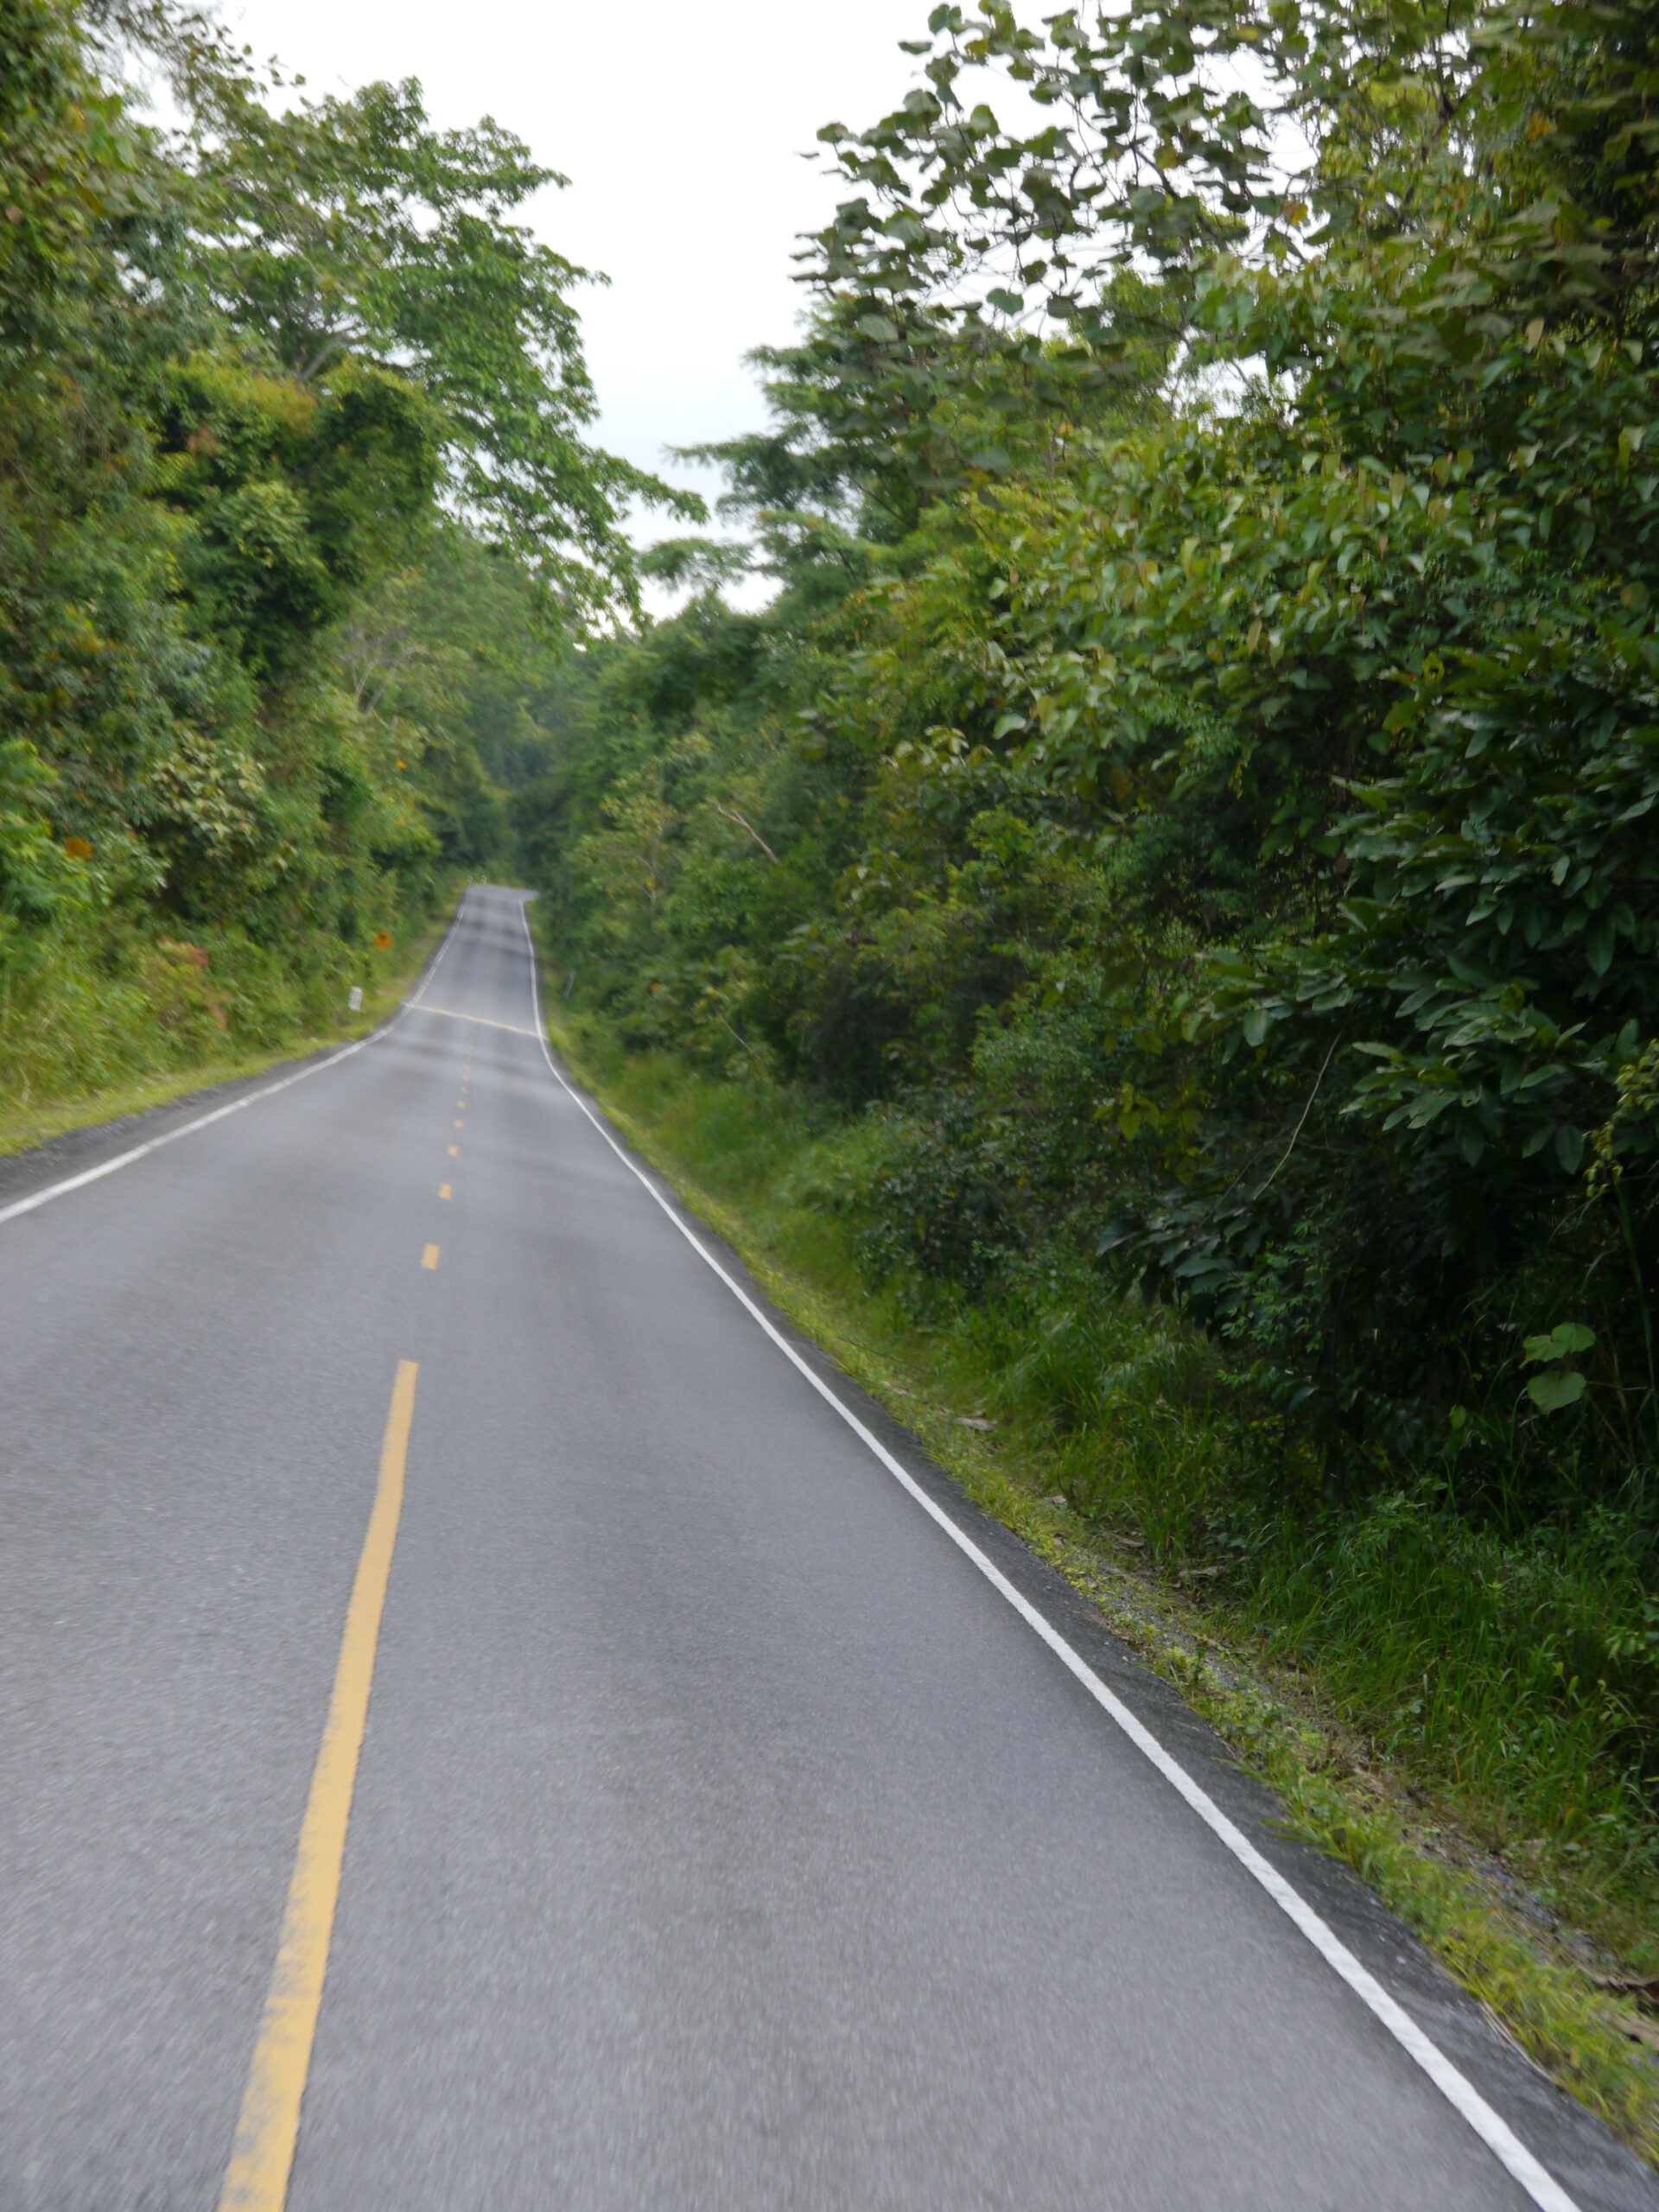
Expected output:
(298, 511)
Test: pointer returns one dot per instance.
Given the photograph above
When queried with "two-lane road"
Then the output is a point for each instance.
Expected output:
(721, 1836)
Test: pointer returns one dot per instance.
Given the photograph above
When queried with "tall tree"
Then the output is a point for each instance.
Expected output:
(352, 228)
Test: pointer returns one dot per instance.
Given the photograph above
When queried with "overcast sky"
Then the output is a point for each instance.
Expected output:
(681, 127)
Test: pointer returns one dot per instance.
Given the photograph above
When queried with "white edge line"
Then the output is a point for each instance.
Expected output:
(222, 1112)
(1460, 2092)
(512, 1028)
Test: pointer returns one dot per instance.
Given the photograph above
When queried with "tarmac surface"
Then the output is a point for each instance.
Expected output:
(722, 1837)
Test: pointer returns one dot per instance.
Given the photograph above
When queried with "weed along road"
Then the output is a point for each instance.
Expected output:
(493, 1719)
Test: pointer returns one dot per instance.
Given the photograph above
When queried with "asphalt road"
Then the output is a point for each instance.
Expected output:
(722, 1836)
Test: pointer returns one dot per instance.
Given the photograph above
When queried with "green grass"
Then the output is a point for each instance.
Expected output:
(87, 1036)
(1445, 1710)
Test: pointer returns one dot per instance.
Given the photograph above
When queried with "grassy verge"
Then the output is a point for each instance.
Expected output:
(1383, 1672)
(82, 1045)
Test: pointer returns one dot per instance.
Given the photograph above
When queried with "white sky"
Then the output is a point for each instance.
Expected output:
(681, 127)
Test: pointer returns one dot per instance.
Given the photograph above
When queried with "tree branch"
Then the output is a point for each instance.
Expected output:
(1306, 1111)
(732, 815)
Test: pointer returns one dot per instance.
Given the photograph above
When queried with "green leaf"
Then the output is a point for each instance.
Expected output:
(1564, 1340)
(1550, 1393)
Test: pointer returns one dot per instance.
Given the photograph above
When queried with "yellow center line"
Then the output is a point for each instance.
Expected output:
(460, 1125)
(268, 2128)
(454, 1152)
(430, 1257)
(443, 1190)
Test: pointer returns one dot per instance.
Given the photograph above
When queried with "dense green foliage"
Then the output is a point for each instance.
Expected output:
(1191, 802)
(295, 511)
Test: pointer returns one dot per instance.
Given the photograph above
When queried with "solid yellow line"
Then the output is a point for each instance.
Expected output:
(430, 1257)
(267, 2128)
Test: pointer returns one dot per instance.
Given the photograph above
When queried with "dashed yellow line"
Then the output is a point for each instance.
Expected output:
(261, 2156)
(430, 1257)
(443, 1190)
(454, 1152)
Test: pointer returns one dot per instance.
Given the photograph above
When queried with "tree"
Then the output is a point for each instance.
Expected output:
(349, 229)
